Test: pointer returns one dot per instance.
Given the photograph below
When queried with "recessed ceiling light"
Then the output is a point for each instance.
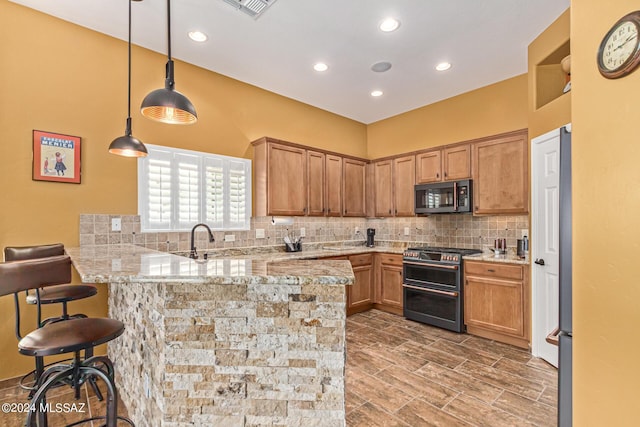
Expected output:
(376, 93)
(389, 24)
(321, 66)
(198, 36)
(443, 66)
(381, 67)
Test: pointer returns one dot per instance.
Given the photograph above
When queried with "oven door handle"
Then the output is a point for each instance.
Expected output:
(435, 291)
(424, 264)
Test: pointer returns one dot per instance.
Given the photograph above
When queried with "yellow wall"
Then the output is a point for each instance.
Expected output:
(606, 175)
(59, 77)
(493, 109)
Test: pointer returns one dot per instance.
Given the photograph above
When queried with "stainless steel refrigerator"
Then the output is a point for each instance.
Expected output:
(565, 406)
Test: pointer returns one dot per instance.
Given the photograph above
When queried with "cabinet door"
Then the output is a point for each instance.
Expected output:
(496, 305)
(287, 180)
(429, 167)
(501, 175)
(382, 175)
(353, 187)
(360, 294)
(389, 286)
(456, 162)
(315, 180)
(333, 185)
(404, 173)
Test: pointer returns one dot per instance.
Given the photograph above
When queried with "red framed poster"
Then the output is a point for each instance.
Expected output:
(56, 157)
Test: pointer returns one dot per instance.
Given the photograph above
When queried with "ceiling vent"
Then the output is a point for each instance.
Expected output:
(253, 8)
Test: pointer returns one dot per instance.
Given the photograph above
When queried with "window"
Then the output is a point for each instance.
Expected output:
(178, 189)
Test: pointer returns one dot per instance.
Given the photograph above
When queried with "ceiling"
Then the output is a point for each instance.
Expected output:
(484, 40)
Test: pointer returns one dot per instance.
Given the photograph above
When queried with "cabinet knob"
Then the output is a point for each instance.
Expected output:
(476, 208)
(389, 210)
(445, 174)
(329, 210)
(437, 175)
(396, 211)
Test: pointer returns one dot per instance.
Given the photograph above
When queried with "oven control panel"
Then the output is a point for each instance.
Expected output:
(431, 256)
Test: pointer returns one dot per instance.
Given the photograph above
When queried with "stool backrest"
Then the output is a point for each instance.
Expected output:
(19, 253)
(16, 276)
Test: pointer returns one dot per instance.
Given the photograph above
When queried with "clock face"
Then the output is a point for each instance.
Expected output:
(620, 45)
(619, 52)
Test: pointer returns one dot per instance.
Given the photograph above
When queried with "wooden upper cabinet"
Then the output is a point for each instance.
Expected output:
(500, 170)
(383, 175)
(286, 180)
(280, 179)
(444, 164)
(456, 162)
(333, 185)
(316, 183)
(353, 187)
(404, 173)
(429, 167)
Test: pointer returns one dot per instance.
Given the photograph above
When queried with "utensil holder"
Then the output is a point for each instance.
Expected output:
(293, 247)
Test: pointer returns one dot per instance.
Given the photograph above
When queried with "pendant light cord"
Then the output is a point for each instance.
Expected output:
(129, 71)
(169, 29)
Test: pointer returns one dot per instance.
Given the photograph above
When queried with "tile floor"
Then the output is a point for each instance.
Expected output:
(402, 373)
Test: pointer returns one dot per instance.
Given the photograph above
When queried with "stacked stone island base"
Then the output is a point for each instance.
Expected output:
(229, 342)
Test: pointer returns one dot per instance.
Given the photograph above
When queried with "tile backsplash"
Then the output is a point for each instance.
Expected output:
(455, 230)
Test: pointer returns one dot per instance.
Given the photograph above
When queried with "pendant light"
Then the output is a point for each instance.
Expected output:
(128, 145)
(168, 105)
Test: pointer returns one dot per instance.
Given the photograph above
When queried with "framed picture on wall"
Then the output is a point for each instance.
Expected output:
(56, 157)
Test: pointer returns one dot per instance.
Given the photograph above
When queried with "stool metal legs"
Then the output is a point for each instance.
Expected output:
(76, 374)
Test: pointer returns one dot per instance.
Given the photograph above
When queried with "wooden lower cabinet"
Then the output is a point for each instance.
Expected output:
(497, 303)
(389, 293)
(360, 295)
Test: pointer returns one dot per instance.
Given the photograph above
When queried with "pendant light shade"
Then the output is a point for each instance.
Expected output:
(168, 105)
(128, 145)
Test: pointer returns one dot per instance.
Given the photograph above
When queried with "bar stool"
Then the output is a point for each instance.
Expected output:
(72, 336)
(60, 294)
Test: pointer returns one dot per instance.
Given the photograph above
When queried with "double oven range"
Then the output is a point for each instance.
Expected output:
(432, 286)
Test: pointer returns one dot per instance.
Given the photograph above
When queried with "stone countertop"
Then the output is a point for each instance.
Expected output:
(130, 263)
(509, 258)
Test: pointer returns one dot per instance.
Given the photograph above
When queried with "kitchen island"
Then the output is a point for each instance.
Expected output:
(226, 341)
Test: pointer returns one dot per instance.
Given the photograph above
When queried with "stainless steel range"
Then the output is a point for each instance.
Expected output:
(432, 286)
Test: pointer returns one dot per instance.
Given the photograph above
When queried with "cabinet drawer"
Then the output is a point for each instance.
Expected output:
(390, 259)
(361, 259)
(490, 269)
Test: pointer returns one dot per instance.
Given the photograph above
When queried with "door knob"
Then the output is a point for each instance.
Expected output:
(539, 261)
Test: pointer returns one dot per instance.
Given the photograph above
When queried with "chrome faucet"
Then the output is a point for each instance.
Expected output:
(193, 253)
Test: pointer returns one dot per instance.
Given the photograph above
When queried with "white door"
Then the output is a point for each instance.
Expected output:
(545, 182)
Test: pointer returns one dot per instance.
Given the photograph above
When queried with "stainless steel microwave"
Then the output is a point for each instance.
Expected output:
(444, 197)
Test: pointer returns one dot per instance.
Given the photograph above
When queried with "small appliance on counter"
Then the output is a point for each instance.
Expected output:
(370, 240)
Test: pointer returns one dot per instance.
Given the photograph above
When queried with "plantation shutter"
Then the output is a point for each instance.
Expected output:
(178, 189)
(155, 184)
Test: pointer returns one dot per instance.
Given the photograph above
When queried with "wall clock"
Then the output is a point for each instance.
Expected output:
(619, 52)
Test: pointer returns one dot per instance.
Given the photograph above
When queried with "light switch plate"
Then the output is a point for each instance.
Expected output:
(229, 237)
(407, 231)
(303, 232)
(116, 224)
(259, 233)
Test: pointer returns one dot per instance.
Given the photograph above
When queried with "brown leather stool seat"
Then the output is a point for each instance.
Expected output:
(62, 293)
(70, 336)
